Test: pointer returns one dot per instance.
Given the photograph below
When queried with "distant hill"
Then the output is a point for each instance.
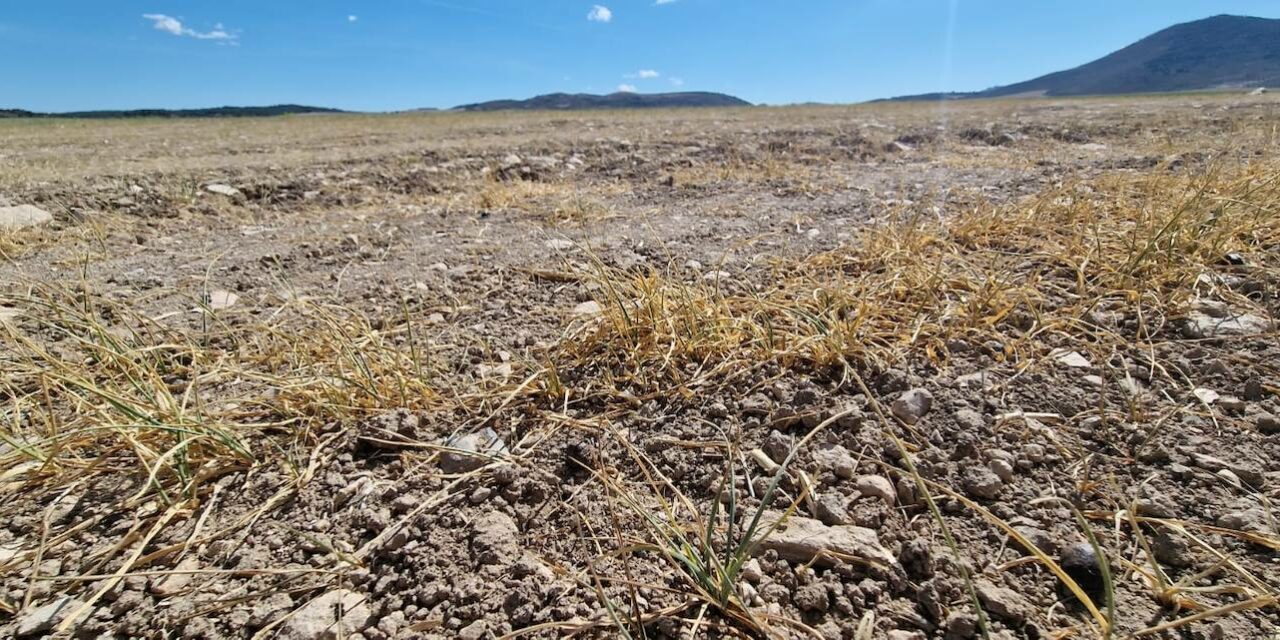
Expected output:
(1222, 52)
(213, 112)
(620, 100)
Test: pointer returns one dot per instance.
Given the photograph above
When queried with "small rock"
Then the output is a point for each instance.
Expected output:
(495, 538)
(1254, 391)
(751, 571)
(807, 540)
(1171, 549)
(1081, 562)
(1002, 469)
(223, 190)
(178, 581)
(777, 446)
(913, 405)
(832, 509)
(961, 625)
(471, 451)
(588, 308)
(901, 634)
(812, 597)
(267, 610)
(22, 216)
(560, 244)
(1252, 476)
(878, 487)
(1002, 602)
(836, 459)
(1232, 404)
(219, 300)
(1215, 320)
(1041, 539)
(981, 482)
(474, 631)
(1207, 396)
(970, 420)
(1268, 424)
(43, 619)
(1072, 359)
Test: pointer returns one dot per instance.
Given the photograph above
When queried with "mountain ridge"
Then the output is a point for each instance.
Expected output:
(1215, 53)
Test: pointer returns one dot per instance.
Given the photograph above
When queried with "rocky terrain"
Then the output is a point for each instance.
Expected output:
(983, 369)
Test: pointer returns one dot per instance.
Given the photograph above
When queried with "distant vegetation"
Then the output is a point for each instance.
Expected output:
(214, 112)
(621, 100)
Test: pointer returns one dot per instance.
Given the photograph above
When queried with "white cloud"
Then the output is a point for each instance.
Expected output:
(173, 26)
(662, 2)
(677, 82)
(352, 18)
(627, 88)
(648, 73)
(600, 13)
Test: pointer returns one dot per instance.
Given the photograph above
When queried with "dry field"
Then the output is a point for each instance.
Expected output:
(984, 370)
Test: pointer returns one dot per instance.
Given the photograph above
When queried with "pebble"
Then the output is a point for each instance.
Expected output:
(812, 598)
(588, 308)
(223, 190)
(1080, 562)
(319, 620)
(1002, 469)
(970, 420)
(912, 405)
(1171, 549)
(836, 459)
(471, 451)
(777, 446)
(474, 631)
(220, 299)
(42, 619)
(495, 538)
(878, 487)
(981, 482)
(1232, 404)
(832, 509)
(178, 581)
(1268, 424)
(751, 571)
(1003, 602)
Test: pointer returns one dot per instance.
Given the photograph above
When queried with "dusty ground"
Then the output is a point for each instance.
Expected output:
(248, 414)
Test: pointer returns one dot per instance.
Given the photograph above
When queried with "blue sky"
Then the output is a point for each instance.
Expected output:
(58, 55)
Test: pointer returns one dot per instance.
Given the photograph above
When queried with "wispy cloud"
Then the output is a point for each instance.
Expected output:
(352, 18)
(600, 13)
(662, 2)
(174, 26)
(677, 82)
(627, 88)
(643, 74)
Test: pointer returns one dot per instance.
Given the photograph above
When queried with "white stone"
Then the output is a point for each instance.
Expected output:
(806, 540)
(588, 308)
(1072, 359)
(22, 216)
(220, 299)
(223, 190)
(334, 615)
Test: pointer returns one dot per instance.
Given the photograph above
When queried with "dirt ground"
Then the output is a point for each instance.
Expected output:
(486, 375)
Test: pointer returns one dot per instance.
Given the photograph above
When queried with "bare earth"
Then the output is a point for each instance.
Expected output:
(479, 375)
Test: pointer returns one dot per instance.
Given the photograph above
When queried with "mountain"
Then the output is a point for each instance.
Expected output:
(1222, 52)
(213, 112)
(620, 100)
